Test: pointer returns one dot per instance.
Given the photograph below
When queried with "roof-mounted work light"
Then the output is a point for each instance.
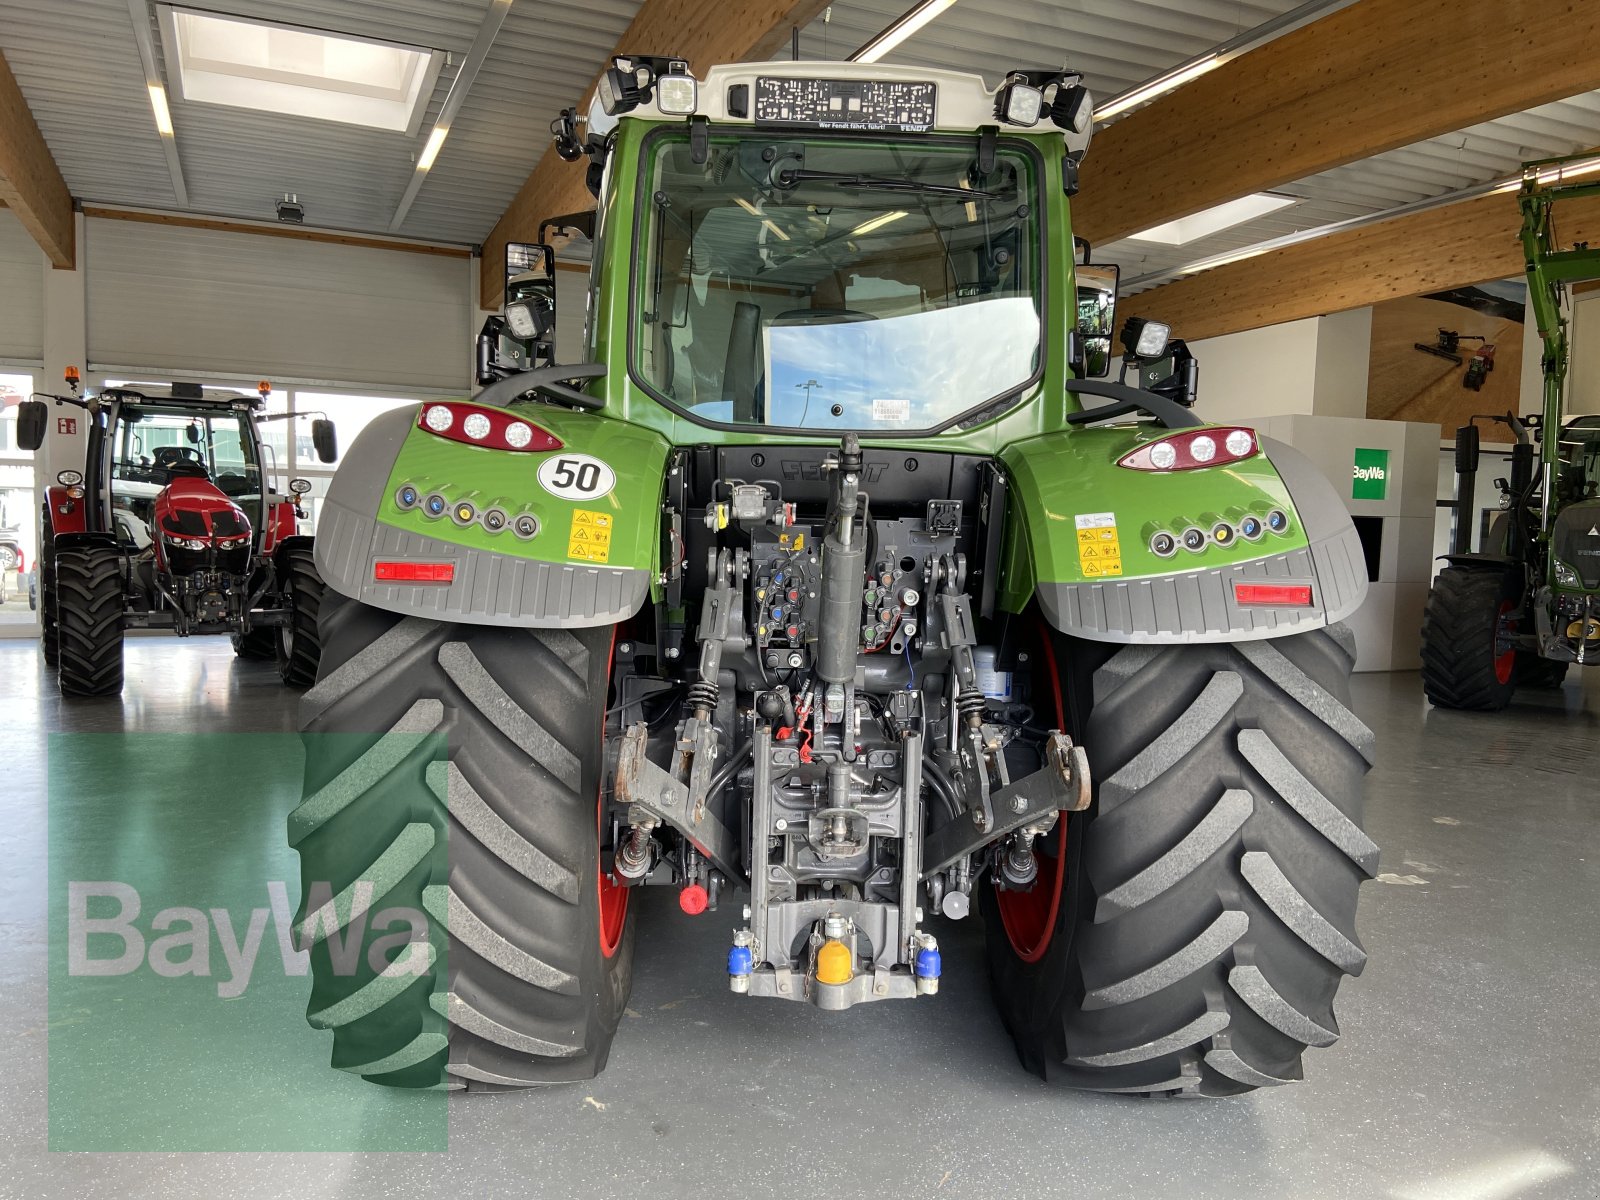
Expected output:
(1026, 96)
(1019, 102)
(631, 81)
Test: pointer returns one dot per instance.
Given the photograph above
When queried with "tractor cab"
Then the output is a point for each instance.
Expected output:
(171, 463)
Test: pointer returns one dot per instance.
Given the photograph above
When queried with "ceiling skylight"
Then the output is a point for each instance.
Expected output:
(1213, 220)
(301, 72)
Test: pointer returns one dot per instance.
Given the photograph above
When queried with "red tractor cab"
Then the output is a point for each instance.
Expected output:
(174, 523)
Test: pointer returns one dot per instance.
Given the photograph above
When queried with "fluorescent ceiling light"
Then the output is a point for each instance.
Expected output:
(907, 24)
(876, 223)
(158, 102)
(431, 150)
(1551, 175)
(1213, 220)
(300, 72)
(766, 221)
(1159, 86)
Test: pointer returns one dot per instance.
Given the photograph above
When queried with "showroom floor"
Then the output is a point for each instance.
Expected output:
(1469, 1068)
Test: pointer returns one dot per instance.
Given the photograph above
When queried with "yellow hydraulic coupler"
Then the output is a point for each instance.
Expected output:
(835, 960)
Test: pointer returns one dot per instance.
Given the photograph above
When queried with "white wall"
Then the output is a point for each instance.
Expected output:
(21, 292)
(209, 301)
(1583, 379)
(572, 295)
(1317, 366)
(1344, 359)
(1259, 373)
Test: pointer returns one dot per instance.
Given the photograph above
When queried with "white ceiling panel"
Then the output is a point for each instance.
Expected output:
(236, 162)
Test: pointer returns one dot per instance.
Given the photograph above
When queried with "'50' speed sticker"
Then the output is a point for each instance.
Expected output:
(576, 476)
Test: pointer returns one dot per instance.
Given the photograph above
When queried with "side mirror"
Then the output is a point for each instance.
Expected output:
(192, 433)
(324, 439)
(33, 418)
(1097, 313)
(531, 298)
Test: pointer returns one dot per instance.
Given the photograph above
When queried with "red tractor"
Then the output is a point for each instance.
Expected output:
(173, 524)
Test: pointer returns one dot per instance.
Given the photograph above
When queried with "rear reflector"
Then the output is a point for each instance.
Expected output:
(1295, 595)
(414, 572)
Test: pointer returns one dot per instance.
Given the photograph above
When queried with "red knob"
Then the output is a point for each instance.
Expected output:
(693, 899)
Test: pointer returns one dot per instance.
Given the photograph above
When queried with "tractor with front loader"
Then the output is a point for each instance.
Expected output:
(172, 524)
(833, 589)
(1524, 608)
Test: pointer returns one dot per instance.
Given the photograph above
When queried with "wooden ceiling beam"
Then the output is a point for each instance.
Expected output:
(1372, 77)
(30, 182)
(705, 32)
(1457, 245)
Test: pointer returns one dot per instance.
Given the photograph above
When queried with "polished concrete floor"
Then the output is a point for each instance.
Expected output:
(1469, 1067)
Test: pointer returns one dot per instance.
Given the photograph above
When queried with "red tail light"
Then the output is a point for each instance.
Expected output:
(414, 572)
(475, 425)
(1192, 449)
(1284, 595)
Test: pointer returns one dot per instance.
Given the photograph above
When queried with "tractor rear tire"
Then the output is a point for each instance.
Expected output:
(49, 633)
(1207, 912)
(89, 604)
(457, 768)
(1461, 665)
(258, 644)
(298, 645)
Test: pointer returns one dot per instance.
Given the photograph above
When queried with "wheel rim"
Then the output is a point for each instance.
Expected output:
(613, 897)
(286, 630)
(1505, 660)
(1029, 918)
(613, 913)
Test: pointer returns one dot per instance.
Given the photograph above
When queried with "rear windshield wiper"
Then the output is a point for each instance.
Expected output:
(883, 183)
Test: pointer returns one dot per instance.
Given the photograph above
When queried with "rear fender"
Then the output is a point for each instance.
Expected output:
(66, 513)
(596, 502)
(281, 525)
(1080, 541)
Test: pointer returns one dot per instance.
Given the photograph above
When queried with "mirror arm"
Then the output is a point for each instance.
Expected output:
(75, 401)
(1129, 400)
(550, 381)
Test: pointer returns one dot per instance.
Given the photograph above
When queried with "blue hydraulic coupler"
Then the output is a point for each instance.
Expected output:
(927, 967)
(740, 963)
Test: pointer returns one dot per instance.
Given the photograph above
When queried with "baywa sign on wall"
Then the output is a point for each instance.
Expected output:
(1370, 480)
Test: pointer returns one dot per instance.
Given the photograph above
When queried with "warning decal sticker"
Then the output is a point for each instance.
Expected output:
(1099, 551)
(590, 537)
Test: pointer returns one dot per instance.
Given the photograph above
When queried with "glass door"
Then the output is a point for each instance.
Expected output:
(19, 514)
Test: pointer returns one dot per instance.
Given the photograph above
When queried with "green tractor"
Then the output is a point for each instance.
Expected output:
(820, 591)
(1526, 607)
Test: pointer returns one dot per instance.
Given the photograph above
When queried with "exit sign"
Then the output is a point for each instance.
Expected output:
(1370, 480)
